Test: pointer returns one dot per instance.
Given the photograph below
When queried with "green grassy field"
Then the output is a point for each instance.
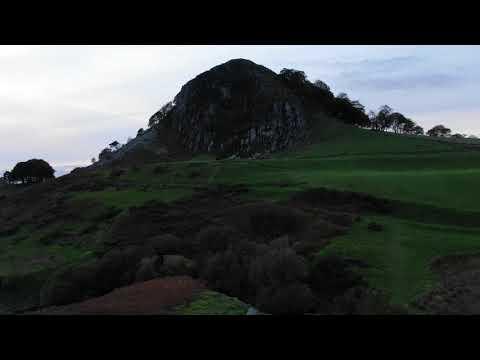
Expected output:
(23, 253)
(400, 255)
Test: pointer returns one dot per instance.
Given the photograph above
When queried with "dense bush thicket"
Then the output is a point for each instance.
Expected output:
(274, 278)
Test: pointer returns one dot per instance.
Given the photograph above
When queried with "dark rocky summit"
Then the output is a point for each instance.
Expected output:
(236, 108)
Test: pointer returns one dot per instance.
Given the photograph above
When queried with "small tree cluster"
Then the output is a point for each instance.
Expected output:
(28, 172)
(343, 108)
(318, 93)
(106, 154)
(349, 111)
(439, 131)
(386, 119)
(294, 78)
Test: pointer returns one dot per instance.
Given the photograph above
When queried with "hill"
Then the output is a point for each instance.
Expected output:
(344, 220)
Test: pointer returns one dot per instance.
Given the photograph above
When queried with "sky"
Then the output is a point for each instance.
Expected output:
(64, 104)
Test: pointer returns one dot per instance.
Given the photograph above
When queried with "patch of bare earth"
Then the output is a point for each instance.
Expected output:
(146, 298)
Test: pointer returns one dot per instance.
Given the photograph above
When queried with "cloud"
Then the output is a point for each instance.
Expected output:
(408, 82)
(382, 65)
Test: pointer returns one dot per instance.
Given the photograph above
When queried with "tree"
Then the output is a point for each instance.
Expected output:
(417, 130)
(32, 171)
(114, 145)
(384, 119)
(7, 177)
(293, 77)
(408, 126)
(93, 160)
(373, 123)
(349, 111)
(105, 154)
(161, 115)
(398, 122)
(140, 132)
(321, 85)
(439, 131)
(459, 136)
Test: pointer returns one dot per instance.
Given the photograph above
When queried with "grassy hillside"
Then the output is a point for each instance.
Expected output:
(434, 182)
(437, 182)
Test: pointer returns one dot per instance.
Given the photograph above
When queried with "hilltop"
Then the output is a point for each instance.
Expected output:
(238, 109)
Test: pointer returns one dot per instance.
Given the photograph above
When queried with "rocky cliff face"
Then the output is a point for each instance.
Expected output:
(236, 108)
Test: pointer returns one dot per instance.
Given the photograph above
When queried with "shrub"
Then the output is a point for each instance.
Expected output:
(364, 301)
(227, 272)
(168, 244)
(289, 299)
(331, 275)
(160, 169)
(215, 238)
(117, 172)
(277, 267)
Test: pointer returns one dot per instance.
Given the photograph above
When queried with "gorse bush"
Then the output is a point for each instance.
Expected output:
(277, 267)
(288, 299)
(228, 272)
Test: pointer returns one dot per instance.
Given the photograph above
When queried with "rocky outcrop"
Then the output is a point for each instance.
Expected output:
(236, 108)
(146, 145)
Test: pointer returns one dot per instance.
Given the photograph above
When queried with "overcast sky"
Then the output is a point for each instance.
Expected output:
(66, 103)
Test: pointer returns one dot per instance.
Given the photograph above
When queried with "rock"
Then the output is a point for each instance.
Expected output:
(238, 107)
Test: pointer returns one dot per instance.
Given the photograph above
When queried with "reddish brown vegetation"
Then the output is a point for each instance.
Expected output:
(149, 297)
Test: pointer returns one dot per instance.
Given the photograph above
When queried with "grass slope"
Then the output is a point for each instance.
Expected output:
(400, 255)
(437, 181)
